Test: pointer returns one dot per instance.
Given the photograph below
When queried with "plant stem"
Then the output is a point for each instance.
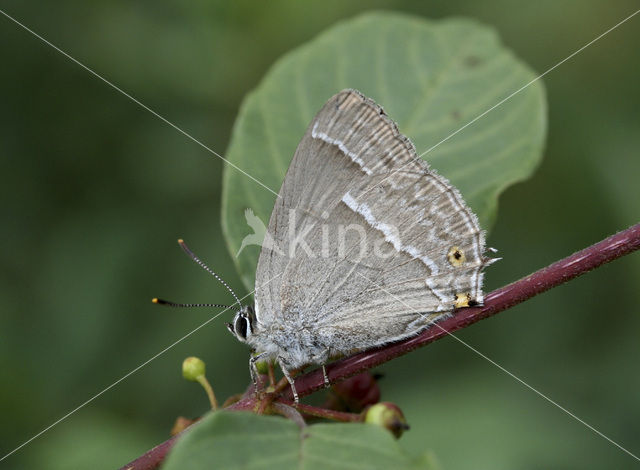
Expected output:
(272, 374)
(153, 458)
(290, 412)
(328, 414)
(501, 299)
(202, 380)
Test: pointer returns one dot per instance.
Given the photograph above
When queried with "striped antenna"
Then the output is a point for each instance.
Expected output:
(186, 249)
(175, 304)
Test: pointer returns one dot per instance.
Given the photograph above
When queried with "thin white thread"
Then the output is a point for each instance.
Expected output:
(531, 82)
(189, 136)
(111, 386)
(540, 394)
(505, 99)
(432, 322)
(127, 375)
(277, 195)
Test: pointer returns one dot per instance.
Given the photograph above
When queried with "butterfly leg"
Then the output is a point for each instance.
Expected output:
(253, 368)
(326, 377)
(287, 374)
(322, 359)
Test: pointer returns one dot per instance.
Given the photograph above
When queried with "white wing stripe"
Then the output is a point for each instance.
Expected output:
(324, 137)
(365, 211)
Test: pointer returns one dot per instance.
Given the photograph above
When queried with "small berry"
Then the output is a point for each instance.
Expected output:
(387, 415)
(193, 368)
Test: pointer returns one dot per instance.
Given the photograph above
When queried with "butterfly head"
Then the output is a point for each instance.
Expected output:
(243, 323)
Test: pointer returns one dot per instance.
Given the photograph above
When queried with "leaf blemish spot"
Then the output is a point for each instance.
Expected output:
(472, 61)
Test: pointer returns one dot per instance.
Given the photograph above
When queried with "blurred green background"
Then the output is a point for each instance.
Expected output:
(95, 191)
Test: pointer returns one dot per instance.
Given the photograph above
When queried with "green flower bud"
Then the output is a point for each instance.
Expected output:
(387, 415)
(193, 368)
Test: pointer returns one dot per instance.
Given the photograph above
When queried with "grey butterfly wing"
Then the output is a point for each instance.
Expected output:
(372, 245)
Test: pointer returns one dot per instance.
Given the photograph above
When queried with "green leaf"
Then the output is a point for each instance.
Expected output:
(229, 440)
(431, 77)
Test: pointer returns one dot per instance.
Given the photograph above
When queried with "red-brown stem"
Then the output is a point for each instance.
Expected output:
(153, 458)
(501, 299)
(289, 412)
(328, 414)
(557, 273)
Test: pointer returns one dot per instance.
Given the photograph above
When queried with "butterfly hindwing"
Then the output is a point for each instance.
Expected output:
(372, 244)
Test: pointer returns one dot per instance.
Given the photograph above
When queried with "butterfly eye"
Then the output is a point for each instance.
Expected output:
(241, 327)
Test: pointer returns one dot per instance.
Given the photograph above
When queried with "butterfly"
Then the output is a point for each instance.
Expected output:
(368, 245)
